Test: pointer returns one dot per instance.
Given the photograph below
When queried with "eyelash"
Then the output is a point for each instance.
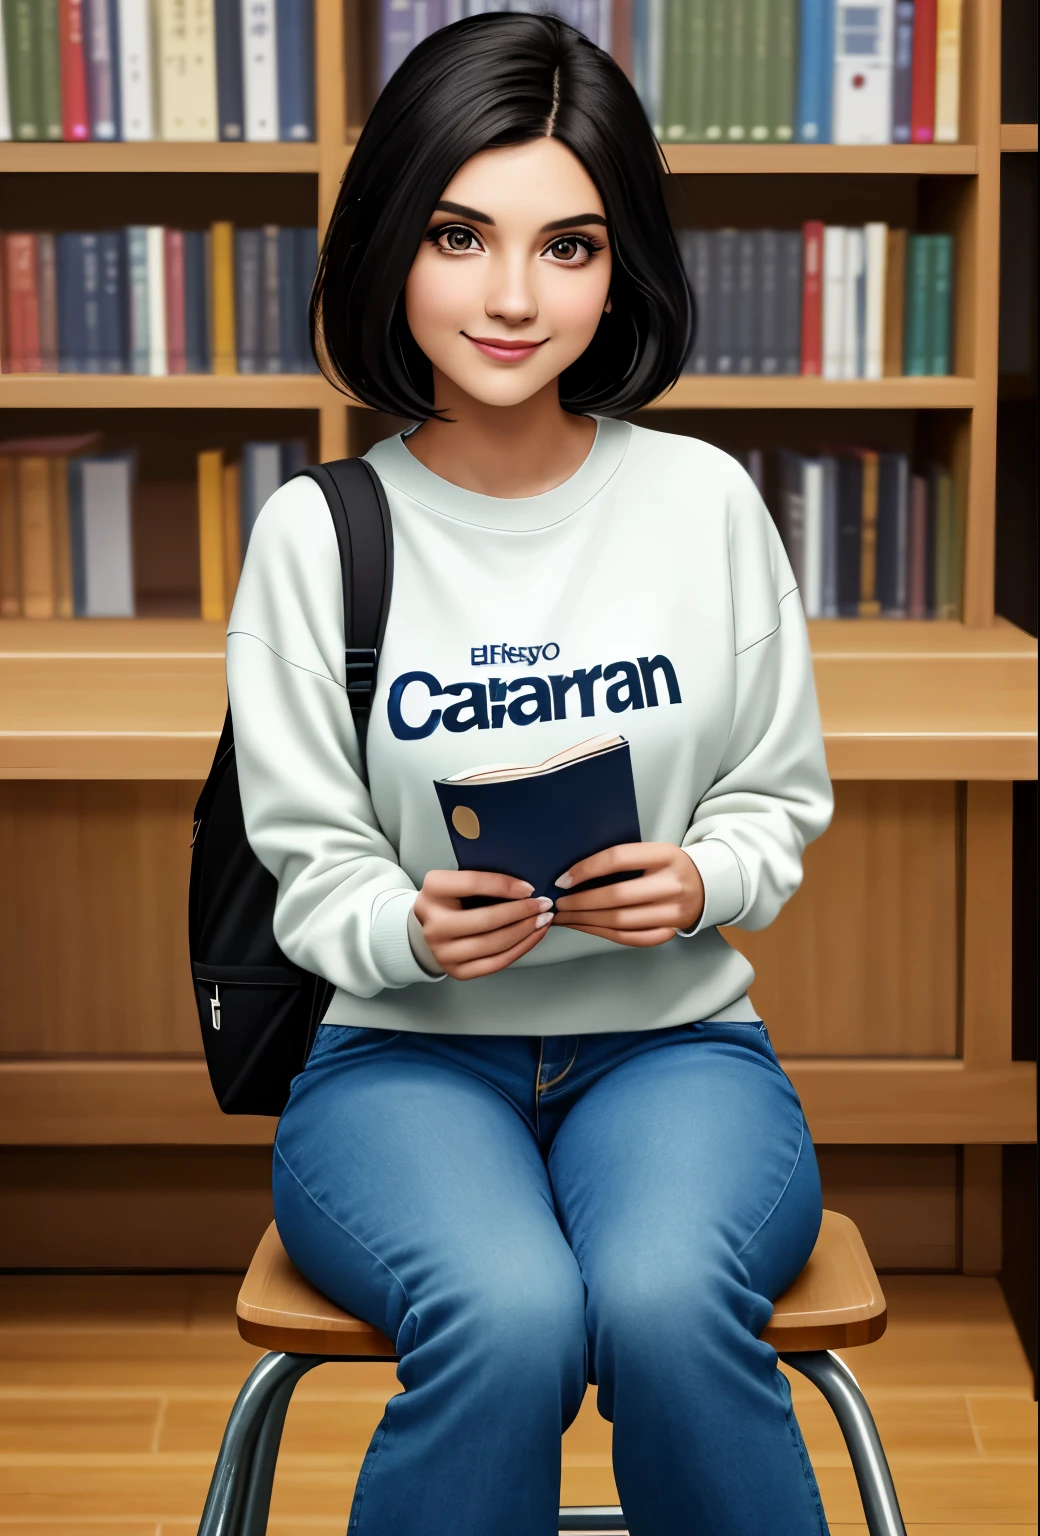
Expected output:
(590, 245)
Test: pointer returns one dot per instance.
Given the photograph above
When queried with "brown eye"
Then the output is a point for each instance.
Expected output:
(457, 239)
(565, 249)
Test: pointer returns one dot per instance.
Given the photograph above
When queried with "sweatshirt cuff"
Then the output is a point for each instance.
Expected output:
(720, 874)
(391, 946)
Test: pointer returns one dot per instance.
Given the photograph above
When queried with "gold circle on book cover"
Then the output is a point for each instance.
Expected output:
(465, 821)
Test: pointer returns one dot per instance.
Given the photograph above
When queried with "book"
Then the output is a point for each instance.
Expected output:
(306, 267)
(767, 346)
(231, 501)
(895, 300)
(260, 70)
(35, 536)
(813, 109)
(916, 343)
(736, 74)
(100, 528)
(21, 39)
(188, 70)
(136, 88)
(829, 537)
(261, 477)
(876, 234)
(761, 69)
(295, 56)
(931, 541)
(5, 96)
(917, 550)
(922, 88)
(902, 71)
(156, 276)
(853, 303)
(49, 62)
(269, 351)
(175, 309)
(71, 332)
(782, 84)
(212, 585)
(75, 113)
(675, 91)
(47, 300)
(850, 514)
(791, 267)
(230, 103)
(137, 293)
(90, 259)
(396, 36)
(812, 297)
(10, 558)
(535, 821)
(940, 302)
(862, 110)
(696, 109)
(248, 298)
(112, 301)
(196, 308)
(792, 511)
(892, 534)
(868, 603)
(725, 340)
(100, 48)
(223, 349)
(288, 299)
(834, 303)
(697, 248)
(718, 48)
(947, 71)
(58, 475)
(21, 303)
(812, 499)
(745, 316)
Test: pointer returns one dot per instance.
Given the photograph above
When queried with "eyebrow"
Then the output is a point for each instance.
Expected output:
(485, 218)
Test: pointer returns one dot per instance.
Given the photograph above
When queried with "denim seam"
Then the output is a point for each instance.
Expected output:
(559, 1079)
(797, 1159)
(807, 1468)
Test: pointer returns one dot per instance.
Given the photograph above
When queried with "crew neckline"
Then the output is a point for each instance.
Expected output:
(395, 464)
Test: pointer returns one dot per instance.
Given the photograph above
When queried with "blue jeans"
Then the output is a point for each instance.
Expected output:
(526, 1215)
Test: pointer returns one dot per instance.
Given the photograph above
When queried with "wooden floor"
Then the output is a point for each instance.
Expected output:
(114, 1394)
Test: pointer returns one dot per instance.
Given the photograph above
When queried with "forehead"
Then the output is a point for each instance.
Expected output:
(537, 181)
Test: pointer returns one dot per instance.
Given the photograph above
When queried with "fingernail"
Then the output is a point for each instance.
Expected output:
(564, 882)
(544, 904)
(543, 918)
(528, 888)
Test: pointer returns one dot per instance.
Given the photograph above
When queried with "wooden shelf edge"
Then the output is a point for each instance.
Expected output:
(1020, 137)
(187, 391)
(160, 156)
(86, 1102)
(709, 392)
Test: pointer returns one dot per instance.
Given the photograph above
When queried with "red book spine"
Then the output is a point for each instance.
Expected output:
(75, 117)
(176, 342)
(917, 551)
(23, 307)
(812, 296)
(922, 73)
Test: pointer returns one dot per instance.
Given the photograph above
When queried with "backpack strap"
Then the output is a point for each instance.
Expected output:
(361, 518)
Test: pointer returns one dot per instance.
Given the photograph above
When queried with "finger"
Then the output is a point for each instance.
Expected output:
(446, 923)
(653, 915)
(453, 883)
(659, 886)
(612, 860)
(640, 939)
(478, 946)
(472, 968)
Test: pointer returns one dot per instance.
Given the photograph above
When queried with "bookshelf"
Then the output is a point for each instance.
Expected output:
(107, 727)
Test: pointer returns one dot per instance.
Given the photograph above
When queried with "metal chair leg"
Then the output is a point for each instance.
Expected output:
(220, 1517)
(256, 1508)
(592, 1517)
(831, 1375)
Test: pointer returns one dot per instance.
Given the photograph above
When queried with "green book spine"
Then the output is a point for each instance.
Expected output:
(916, 351)
(737, 73)
(718, 36)
(941, 303)
(675, 97)
(50, 70)
(784, 73)
(759, 69)
(944, 546)
(697, 70)
(21, 42)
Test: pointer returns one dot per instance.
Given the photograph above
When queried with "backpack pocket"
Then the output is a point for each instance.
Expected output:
(257, 1026)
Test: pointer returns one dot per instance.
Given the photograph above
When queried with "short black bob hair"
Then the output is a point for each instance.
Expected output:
(481, 83)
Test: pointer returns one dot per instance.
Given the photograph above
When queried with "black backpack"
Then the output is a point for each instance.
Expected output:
(258, 1010)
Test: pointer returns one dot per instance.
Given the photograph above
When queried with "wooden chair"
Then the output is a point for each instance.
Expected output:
(835, 1303)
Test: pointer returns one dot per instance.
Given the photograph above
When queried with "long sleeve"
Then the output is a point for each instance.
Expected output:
(343, 900)
(772, 793)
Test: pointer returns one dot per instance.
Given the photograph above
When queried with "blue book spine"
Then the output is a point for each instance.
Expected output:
(113, 302)
(295, 45)
(230, 101)
(289, 329)
(248, 298)
(724, 351)
(101, 47)
(792, 265)
(92, 345)
(396, 35)
(815, 73)
(70, 304)
(306, 266)
(137, 297)
(850, 518)
(829, 583)
(902, 71)
(196, 317)
(747, 302)
(698, 248)
(769, 302)
(270, 302)
(77, 539)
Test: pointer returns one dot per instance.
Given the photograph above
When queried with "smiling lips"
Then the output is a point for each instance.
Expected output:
(504, 351)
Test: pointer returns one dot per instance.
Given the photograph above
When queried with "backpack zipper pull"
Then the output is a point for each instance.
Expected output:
(214, 1007)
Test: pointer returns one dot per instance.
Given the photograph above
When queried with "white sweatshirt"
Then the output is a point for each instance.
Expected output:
(648, 595)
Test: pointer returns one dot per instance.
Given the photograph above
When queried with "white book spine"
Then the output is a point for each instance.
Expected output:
(863, 68)
(156, 301)
(849, 331)
(135, 70)
(833, 299)
(5, 100)
(260, 70)
(108, 549)
(812, 491)
(877, 240)
(947, 71)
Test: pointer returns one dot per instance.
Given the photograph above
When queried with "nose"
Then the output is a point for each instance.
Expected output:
(510, 295)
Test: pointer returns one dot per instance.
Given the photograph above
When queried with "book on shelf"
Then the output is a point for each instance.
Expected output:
(138, 70)
(827, 299)
(753, 71)
(154, 300)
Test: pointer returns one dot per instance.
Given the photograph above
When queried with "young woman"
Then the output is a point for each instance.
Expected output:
(537, 1147)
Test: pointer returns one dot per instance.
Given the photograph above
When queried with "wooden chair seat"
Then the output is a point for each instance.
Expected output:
(835, 1303)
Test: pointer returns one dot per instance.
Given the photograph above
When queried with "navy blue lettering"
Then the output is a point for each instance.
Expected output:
(626, 694)
(400, 727)
(454, 719)
(561, 684)
(648, 666)
(538, 696)
(585, 681)
(478, 655)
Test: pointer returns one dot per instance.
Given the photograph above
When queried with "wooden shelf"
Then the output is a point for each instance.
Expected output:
(144, 699)
(1018, 136)
(84, 1102)
(194, 391)
(822, 159)
(806, 392)
(184, 159)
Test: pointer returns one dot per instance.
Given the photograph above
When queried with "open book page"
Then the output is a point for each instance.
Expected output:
(507, 771)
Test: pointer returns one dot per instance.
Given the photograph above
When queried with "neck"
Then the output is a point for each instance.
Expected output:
(502, 450)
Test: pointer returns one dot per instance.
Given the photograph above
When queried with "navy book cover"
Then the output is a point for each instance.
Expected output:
(535, 822)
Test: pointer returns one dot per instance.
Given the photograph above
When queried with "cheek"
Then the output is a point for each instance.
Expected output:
(574, 301)
(434, 294)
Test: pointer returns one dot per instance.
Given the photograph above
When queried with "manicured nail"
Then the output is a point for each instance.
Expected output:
(528, 889)
(544, 904)
(564, 882)
(543, 918)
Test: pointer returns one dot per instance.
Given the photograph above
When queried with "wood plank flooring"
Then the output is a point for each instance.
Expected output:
(114, 1393)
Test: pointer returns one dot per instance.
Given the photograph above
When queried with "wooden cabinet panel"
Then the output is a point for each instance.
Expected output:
(862, 961)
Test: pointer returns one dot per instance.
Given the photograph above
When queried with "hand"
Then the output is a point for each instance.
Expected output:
(479, 940)
(648, 910)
